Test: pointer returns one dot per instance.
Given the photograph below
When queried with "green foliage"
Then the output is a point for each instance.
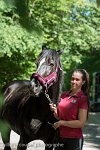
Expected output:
(18, 47)
(1, 100)
(63, 24)
(4, 128)
(3, 125)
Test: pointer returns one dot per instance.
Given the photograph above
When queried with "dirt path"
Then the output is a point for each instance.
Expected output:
(92, 132)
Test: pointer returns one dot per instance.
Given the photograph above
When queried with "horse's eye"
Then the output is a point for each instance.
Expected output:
(51, 64)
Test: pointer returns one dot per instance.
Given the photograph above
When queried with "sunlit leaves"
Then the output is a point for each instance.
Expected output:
(68, 24)
(4, 126)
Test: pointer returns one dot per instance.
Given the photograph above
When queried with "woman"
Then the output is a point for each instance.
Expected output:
(72, 112)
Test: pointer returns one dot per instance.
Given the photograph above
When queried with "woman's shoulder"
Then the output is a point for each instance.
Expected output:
(65, 93)
(84, 96)
(81, 94)
(83, 101)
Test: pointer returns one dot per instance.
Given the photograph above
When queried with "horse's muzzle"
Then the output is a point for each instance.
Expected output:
(36, 88)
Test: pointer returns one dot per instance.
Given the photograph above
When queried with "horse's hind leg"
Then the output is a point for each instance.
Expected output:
(6, 140)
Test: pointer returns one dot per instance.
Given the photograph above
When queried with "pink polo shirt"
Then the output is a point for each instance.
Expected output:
(68, 108)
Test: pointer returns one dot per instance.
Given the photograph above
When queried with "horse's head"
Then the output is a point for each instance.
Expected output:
(48, 66)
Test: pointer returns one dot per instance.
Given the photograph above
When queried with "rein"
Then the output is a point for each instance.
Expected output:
(46, 82)
(48, 97)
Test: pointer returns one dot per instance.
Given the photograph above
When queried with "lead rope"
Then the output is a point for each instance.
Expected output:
(48, 97)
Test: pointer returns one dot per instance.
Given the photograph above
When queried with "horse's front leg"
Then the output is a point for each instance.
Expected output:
(6, 140)
(22, 145)
(23, 142)
(48, 146)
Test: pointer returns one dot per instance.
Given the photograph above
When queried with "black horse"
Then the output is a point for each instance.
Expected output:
(26, 102)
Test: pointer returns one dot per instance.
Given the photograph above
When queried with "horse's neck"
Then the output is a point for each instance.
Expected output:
(54, 93)
(56, 88)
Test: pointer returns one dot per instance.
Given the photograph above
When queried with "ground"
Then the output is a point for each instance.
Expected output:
(91, 136)
(92, 132)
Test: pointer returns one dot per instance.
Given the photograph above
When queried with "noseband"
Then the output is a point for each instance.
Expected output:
(46, 82)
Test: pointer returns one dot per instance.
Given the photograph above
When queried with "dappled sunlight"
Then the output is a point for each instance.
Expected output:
(92, 132)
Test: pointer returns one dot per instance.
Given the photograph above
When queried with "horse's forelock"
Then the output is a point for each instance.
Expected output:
(47, 53)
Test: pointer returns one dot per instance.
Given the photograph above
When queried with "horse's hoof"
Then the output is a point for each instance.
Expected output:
(7, 148)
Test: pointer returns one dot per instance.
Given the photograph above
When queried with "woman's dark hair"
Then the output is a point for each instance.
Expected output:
(85, 77)
(85, 86)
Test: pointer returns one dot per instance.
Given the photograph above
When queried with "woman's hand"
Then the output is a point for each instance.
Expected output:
(53, 107)
(57, 124)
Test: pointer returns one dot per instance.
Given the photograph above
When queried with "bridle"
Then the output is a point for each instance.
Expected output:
(48, 81)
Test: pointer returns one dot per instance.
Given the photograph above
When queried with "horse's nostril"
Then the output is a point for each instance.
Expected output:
(36, 88)
(36, 83)
(32, 84)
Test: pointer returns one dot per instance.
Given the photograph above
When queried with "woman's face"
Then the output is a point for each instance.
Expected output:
(76, 81)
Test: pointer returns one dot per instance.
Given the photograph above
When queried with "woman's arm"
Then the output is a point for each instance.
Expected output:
(82, 117)
(54, 109)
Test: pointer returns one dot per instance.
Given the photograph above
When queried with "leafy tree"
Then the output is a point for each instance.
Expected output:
(18, 47)
(25, 25)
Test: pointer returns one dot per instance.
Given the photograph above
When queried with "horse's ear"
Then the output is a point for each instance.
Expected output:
(44, 46)
(60, 51)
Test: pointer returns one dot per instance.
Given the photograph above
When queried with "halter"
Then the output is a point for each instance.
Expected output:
(46, 82)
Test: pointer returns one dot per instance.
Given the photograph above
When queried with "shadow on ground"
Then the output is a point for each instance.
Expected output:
(92, 131)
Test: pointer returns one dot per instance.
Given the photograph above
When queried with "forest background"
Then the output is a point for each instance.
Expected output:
(71, 25)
